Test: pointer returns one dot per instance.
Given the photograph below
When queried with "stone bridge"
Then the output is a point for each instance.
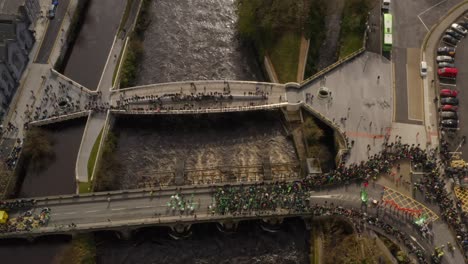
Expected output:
(127, 211)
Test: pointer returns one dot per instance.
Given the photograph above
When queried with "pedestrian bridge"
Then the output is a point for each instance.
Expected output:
(127, 211)
(198, 96)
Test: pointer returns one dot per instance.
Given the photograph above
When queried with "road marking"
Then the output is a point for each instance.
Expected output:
(423, 24)
(92, 211)
(118, 209)
(432, 7)
(323, 196)
(69, 213)
(141, 207)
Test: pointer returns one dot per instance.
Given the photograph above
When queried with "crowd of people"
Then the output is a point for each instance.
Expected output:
(27, 221)
(292, 196)
(181, 101)
(17, 204)
(181, 204)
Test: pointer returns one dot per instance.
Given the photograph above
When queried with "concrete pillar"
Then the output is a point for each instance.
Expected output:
(125, 234)
(227, 226)
(308, 222)
(180, 228)
(274, 221)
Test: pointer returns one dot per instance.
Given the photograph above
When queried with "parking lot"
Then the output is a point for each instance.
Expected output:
(461, 62)
(412, 20)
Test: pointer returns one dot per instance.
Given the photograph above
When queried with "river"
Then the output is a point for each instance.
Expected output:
(93, 44)
(214, 147)
(57, 178)
(195, 40)
(249, 244)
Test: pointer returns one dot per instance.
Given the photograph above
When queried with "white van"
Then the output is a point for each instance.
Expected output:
(386, 6)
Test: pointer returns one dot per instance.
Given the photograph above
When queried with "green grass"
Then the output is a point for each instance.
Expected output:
(351, 44)
(84, 187)
(125, 15)
(353, 25)
(285, 56)
(93, 156)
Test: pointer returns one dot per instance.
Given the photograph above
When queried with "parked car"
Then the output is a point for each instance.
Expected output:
(445, 59)
(459, 29)
(454, 34)
(448, 93)
(52, 10)
(450, 40)
(449, 101)
(447, 72)
(450, 51)
(451, 108)
(423, 69)
(385, 6)
(445, 65)
(463, 24)
(449, 123)
(448, 115)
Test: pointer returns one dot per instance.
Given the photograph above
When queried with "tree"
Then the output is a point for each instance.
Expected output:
(37, 149)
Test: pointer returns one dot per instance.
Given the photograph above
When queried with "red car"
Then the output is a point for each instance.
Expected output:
(447, 72)
(451, 108)
(448, 93)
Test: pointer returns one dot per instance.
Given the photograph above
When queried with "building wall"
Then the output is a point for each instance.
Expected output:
(14, 62)
(7, 88)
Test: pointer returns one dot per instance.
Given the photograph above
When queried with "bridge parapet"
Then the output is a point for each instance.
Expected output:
(200, 111)
(61, 118)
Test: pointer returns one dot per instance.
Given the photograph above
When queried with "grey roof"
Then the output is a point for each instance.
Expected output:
(10, 6)
(7, 31)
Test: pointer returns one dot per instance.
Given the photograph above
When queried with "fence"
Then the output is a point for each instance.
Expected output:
(60, 118)
(201, 111)
(339, 62)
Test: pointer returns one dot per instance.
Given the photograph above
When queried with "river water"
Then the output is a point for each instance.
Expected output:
(213, 148)
(57, 178)
(93, 44)
(249, 244)
(195, 40)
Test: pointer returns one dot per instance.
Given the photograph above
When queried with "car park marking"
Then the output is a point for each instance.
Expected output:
(118, 209)
(91, 211)
(427, 10)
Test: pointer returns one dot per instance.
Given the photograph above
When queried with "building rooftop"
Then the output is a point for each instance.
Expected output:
(10, 6)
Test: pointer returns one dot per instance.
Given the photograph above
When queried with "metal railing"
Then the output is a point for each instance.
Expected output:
(201, 111)
(333, 66)
(60, 118)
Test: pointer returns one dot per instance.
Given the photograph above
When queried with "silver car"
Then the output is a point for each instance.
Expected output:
(459, 29)
(445, 65)
(445, 59)
(448, 115)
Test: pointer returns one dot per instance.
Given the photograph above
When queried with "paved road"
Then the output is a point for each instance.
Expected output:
(52, 33)
(138, 208)
(412, 20)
